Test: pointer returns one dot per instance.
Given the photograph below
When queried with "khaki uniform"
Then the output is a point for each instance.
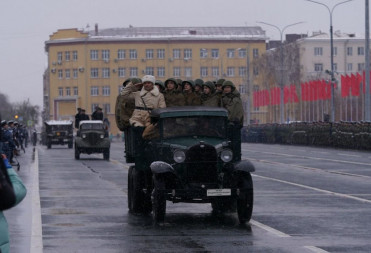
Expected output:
(192, 99)
(174, 98)
(124, 108)
(210, 100)
(233, 103)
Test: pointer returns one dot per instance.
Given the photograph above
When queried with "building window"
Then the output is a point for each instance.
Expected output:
(94, 73)
(68, 91)
(188, 53)
(256, 70)
(94, 91)
(60, 91)
(93, 106)
(74, 55)
(318, 51)
(150, 71)
(149, 53)
(75, 91)
(230, 53)
(349, 51)
(160, 53)
(214, 53)
(215, 71)
(60, 74)
(230, 71)
(160, 71)
(75, 73)
(93, 54)
(255, 53)
(105, 54)
(361, 66)
(106, 72)
(59, 57)
(335, 51)
(242, 71)
(318, 67)
(107, 108)
(121, 54)
(176, 72)
(203, 53)
(67, 56)
(106, 90)
(133, 72)
(133, 54)
(242, 53)
(242, 89)
(176, 53)
(188, 72)
(361, 50)
(68, 74)
(121, 72)
(349, 67)
(203, 72)
(335, 66)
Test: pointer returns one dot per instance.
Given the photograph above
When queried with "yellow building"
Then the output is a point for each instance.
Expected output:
(87, 68)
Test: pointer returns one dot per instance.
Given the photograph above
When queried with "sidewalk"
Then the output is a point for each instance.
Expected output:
(24, 220)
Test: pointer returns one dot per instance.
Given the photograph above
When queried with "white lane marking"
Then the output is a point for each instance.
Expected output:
(315, 249)
(269, 229)
(308, 157)
(342, 154)
(316, 189)
(319, 152)
(36, 231)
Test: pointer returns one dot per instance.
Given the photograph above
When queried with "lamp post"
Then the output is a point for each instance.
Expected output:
(281, 63)
(367, 61)
(332, 118)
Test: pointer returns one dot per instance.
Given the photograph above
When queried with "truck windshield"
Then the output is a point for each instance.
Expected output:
(61, 127)
(208, 126)
(91, 127)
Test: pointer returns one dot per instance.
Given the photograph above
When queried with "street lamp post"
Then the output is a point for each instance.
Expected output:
(332, 54)
(281, 63)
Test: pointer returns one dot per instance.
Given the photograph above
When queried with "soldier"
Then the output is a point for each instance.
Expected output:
(160, 86)
(209, 97)
(173, 97)
(191, 99)
(83, 116)
(198, 86)
(147, 98)
(77, 117)
(179, 82)
(119, 101)
(7, 140)
(97, 114)
(231, 101)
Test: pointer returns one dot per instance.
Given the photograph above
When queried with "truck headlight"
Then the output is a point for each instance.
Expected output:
(226, 155)
(83, 136)
(179, 156)
(102, 136)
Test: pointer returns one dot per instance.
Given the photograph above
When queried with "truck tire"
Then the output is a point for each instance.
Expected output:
(245, 201)
(159, 200)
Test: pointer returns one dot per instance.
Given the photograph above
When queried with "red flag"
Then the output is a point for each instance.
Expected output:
(255, 100)
(266, 97)
(355, 85)
(293, 94)
(344, 86)
(286, 95)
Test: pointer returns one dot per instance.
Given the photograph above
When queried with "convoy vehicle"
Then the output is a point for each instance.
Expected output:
(91, 138)
(59, 132)
(194, 156)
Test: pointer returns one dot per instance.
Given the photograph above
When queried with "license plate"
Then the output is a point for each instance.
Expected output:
(218, 192)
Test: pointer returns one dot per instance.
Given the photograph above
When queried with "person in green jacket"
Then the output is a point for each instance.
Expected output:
(173, 97)
(231, 100)
(19, 191)
(209, 97)
(191, 98)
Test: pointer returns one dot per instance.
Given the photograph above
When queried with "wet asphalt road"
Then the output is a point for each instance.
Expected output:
(306, 200)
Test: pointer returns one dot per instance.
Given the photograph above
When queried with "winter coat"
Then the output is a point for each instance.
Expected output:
(210, 99)
(124, 108)
(174, 98)
(97, 115)
(233, 103)
(20, 192)
(145, 101)
(192, 99)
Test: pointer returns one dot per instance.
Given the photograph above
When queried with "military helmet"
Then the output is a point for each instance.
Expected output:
(220, 82)
(3, 123)
(190, 82)
(173, 80)
(199, 82)
(179, 81)
(158, 82)
(228, 83)
(126, 82)
(210, 85)
(136, 80)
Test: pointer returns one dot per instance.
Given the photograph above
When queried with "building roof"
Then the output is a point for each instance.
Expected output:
(169, 33)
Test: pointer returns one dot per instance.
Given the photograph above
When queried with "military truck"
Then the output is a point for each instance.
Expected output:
(59, 132)
(193, 156)
(91, 137)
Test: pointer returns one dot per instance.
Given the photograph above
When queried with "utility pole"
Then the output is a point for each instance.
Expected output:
(367, 61)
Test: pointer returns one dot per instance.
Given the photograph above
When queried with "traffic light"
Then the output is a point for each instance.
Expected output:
(16, 116)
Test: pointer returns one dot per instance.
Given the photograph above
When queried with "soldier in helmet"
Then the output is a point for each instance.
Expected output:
(160, 86)
(191, 99)
(198, 86)
(173, 97)
(209, 97)
(231, 100)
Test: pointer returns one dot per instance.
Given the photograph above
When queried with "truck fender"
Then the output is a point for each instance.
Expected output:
(244, 166)
(159, 167)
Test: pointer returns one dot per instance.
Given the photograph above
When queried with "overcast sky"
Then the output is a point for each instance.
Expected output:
(26, 24)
